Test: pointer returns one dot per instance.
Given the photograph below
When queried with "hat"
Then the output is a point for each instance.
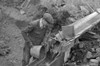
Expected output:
(48, 17)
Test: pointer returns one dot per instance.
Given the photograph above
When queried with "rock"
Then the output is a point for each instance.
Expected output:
(94, 61)
(98, 58)
(47, 64)
(93, 64)
(4, 52)
(92, 49)
(72, 19)
(84, 9)
(4, 49)
(89, 54)
(22, 12)
(97, 50)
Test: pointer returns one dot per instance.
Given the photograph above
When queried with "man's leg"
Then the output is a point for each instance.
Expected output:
(26, 54)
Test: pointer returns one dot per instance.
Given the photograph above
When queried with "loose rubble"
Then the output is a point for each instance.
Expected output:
(88, 54)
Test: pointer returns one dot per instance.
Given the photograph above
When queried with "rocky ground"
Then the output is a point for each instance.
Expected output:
(11, 22)
(11, 38)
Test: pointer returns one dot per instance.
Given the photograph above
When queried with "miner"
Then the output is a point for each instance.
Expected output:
(34, 35)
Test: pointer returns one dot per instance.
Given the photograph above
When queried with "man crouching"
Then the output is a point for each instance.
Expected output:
(34, 35)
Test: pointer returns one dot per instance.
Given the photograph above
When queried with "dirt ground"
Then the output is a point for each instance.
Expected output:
(10, 34)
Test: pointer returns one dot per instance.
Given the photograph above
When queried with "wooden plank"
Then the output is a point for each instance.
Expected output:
(80, 26)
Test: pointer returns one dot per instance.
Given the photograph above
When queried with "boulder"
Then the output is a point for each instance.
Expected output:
(89, 54)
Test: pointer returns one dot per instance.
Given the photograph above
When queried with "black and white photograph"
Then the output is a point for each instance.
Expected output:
(49, 32)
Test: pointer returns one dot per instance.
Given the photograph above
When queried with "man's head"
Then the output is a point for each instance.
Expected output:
(47, 20)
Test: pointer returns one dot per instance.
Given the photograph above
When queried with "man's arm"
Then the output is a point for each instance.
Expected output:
(29, 28)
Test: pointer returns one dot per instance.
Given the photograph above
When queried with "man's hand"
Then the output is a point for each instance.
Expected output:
(59, 36)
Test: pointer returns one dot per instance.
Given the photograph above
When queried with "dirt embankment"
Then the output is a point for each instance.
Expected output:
(11, 40)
